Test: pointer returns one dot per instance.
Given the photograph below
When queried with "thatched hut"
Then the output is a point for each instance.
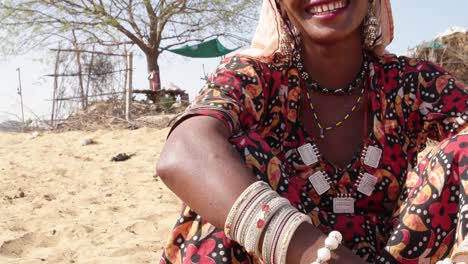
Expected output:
(449, 50)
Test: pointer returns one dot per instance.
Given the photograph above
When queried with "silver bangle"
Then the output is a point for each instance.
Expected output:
(242, 212)
(290, 229)
(247, 219)
(274, 230)
(255, 187)
(260, 221)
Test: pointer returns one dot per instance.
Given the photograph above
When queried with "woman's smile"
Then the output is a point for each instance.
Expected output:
(326, 9)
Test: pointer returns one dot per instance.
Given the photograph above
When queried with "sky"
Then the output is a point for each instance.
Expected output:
(415, 21)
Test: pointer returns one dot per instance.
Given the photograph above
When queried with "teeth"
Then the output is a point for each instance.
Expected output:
(327, 7)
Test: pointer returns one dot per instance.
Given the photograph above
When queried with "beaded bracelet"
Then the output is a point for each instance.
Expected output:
(332, 242)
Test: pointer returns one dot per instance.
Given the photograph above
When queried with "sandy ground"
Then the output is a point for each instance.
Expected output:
(61, 202)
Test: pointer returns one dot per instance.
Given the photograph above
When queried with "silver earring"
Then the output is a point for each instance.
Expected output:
(371, 28)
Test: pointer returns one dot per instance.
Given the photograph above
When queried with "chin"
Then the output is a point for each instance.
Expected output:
(328, 35)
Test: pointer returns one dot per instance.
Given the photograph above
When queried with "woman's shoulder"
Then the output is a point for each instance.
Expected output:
(407, 65)
(244, 64)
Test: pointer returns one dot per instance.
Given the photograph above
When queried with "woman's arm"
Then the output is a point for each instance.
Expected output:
(201, 167)
(198, 156)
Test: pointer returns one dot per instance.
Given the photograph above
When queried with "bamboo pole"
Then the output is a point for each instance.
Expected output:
(20, 92)
(88, 80)
(54, 95)
(128, 88)
(80, 72)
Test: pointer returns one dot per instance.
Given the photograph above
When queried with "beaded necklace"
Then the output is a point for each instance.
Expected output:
(314, 86)
(351, 87)
(339, 123)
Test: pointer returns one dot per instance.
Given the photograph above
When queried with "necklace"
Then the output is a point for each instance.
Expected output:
(365, 184)
(341, 121)
(314, 86)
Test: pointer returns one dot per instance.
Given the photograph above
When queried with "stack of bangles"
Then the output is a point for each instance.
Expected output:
(260, 210)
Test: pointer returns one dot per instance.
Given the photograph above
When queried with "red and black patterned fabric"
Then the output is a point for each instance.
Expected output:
(417, 211)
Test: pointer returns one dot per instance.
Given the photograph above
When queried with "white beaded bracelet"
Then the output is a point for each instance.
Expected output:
(332, 242)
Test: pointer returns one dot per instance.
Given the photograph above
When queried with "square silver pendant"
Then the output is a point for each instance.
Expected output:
(373, 155)
(343, 205)
(367, 184)
(319, 182)
(308, 154)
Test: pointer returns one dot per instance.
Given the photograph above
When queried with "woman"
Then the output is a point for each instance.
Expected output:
(317, 111)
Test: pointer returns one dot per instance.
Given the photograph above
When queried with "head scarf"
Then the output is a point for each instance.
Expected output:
(270, 29)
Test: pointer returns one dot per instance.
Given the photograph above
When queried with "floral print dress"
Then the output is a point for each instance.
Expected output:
(416, 212)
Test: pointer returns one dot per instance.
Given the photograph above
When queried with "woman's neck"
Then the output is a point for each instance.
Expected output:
(333, 65)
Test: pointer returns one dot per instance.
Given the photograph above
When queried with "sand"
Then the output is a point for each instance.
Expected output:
(61, 202)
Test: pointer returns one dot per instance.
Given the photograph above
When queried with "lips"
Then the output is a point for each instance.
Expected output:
(325, 7)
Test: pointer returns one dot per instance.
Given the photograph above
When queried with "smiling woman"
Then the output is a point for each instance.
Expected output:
(326, 129)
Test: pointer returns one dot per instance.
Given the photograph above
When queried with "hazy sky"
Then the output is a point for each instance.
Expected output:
(415, 21)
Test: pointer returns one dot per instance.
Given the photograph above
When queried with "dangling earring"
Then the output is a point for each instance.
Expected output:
(286, 43)
(371, 28)
(290, 38)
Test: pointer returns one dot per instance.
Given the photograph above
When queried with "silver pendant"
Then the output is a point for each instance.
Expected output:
(308, 154)
(319, 182)
(367, 184)
(343, 205)
(373, 155)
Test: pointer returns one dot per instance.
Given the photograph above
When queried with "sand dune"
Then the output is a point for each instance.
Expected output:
(61, 202)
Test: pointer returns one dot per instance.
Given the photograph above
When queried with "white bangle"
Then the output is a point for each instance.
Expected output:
(254, 188)
(247, 219)
(261, 220)
(332, 242)
(274, 229)
(285, 239)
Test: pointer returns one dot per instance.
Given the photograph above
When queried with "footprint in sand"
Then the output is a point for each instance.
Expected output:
(21, 246)
(141, 228)
(77, 232)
